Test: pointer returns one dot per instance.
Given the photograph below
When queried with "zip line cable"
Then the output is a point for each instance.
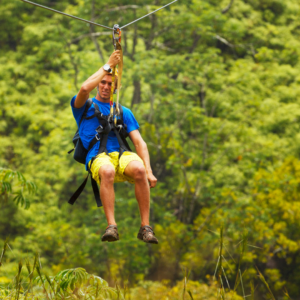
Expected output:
(90, 22)
(147, 15)
(62, 13)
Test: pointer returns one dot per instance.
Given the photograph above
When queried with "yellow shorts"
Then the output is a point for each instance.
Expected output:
(112, 159)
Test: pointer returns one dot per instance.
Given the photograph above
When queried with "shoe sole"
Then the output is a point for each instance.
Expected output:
(152, 242)
(109, 238)
(140, 237)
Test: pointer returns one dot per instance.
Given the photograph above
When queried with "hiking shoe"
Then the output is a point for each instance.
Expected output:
(147, 235)
(111, 234)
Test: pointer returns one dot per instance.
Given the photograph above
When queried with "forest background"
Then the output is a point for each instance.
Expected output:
(215, 87)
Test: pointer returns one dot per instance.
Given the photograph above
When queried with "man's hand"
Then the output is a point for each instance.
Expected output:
(152, 180)
(142, 151)
(114, 59)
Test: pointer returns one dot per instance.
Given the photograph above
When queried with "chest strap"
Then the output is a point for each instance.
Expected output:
(106, 126)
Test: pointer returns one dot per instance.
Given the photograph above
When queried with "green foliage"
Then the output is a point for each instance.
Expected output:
(21, 186)
(72, 283)
(75, 282)
(160, 291)
(78, 284)
(216, 92)
(68, 284)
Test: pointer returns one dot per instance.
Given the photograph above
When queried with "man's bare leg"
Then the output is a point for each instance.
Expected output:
(136, 170)
(107, 193)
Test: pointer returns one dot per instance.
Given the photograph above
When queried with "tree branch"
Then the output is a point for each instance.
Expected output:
(202, 94)
(162, 46)
(150, 117)
(96, 44)
(92, 31)
(94, 34)
(247, 47)
(136, 98)
(152, 32)
(74, 64)
(125, 47)
(195, 42)
(226, 9)
(124, 7)
(222, 40)
(72, 59)
(134, 38)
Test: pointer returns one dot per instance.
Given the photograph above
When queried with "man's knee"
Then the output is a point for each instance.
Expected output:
(139, 172)
(107, 174)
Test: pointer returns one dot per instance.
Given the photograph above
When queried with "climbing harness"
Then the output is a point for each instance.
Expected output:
(107, 123)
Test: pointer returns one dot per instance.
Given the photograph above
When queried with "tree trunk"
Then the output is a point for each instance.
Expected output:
(136, 99)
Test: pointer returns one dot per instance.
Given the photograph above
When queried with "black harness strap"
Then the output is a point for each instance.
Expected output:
(123, 148)
(93, 143)
(96, 192)
(89, 103)
(79, 191)
(81, 188)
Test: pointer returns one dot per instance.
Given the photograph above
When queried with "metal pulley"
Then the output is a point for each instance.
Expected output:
(116, 35)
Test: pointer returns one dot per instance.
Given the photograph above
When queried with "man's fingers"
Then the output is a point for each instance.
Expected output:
(115, 58)
(113, 61)
(152, 183)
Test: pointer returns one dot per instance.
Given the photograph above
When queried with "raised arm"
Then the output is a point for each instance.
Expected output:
(142, 151)
(94, 80)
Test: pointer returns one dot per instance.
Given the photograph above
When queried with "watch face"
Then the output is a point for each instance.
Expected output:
(106, 68)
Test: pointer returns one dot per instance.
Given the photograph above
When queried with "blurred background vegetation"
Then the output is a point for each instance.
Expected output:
(215, 87)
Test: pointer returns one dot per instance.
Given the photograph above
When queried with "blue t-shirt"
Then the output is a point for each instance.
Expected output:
(87, 129)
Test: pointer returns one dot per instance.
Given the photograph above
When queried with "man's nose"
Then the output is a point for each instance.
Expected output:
(107, 86)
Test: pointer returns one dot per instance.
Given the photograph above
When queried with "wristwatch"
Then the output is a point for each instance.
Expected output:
(107, 68)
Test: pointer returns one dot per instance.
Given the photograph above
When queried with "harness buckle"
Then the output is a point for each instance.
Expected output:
(99, 128)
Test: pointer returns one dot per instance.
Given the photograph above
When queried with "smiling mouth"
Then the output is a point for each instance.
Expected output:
(105, 96)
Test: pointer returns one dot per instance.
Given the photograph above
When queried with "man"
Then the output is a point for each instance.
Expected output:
(107, 169)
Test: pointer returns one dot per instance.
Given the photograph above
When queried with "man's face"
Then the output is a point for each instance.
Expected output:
(105, 87)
